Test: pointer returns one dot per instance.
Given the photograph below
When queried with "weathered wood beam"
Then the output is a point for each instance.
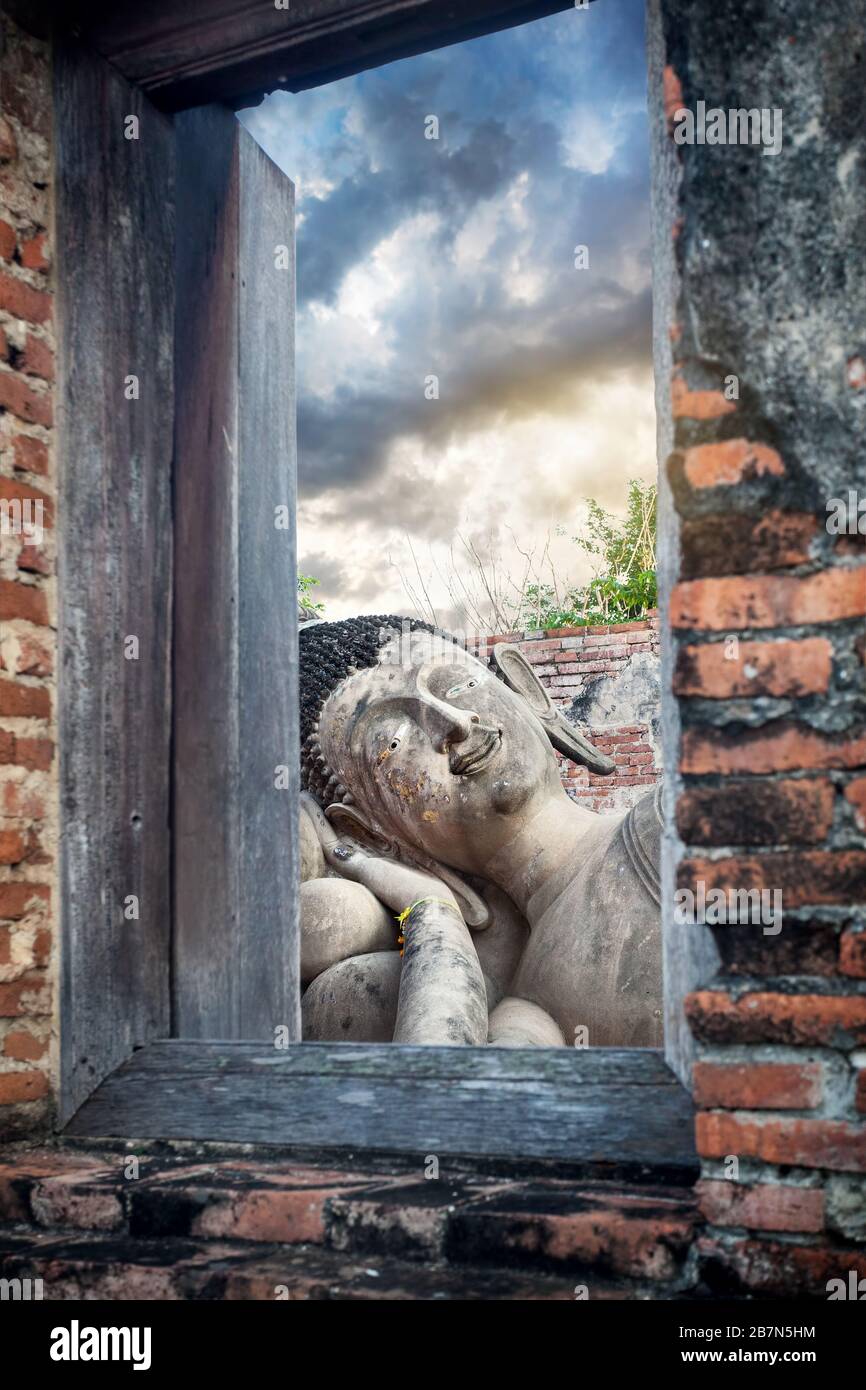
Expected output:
(617, 1107)
(115, 306)
(235, 942)
(235, 51)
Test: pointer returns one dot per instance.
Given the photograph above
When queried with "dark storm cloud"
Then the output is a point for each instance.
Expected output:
(496, 359)
(345, 440)
(339, 231)
(555, 104)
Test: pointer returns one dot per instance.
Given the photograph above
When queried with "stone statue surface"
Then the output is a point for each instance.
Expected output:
(432, 793)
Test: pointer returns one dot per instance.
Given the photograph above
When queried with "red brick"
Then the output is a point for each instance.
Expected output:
(855, 792)
(23, 401)
(244, 1201)
(829, 1144)
(757, 1085)
(565, 631)
(762, 1206)
(22, 301)
(7, 237)
(24, 1047)
(16, 899)
(30, 455)
(289, 1216)
(12, 490)
(33, 560)
(540, 652)
(13, 847)
(860, 1097)
(721, 605)
(852, 954)
(757, 813)
(698, 405)
(849, 547)
(777, 747)
(29, 995)
(22, 800)
(775, 1270)
(805, 879)
(34, 254)
(672, 94)
(37, 359)
(23, 701)
(759, 668)
(764, 1017)
(17, 1087)
(730, 543)
(78, 1199)
(22, 601)
(732, 461)
(19, 1176)
(37, 754)
(637, 1234)
(32, 658)
(4, 346)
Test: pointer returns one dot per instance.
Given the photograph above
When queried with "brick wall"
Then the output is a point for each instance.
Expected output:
(767, 629)
(28, 812)
(607, 680)
(105, 1224)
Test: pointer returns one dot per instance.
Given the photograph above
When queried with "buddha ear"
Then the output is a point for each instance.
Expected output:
(348, 820)
(519, 676)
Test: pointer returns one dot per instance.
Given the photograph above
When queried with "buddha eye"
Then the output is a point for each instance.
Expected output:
(465, 685)
(396, 738)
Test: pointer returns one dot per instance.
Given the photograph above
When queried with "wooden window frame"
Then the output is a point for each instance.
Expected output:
(149, 749)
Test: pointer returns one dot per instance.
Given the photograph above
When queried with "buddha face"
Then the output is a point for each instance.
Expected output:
(437, 752)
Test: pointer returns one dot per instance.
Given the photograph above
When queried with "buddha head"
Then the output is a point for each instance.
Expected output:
(409, 741)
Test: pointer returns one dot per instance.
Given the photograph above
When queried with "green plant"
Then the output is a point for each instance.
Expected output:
(625, 587)
(305, 583)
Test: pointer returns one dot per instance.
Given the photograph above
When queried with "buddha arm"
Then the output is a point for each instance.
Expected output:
(442, 993)
(520, 1023)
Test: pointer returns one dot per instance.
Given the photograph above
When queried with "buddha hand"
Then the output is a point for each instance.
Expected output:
(394, 884)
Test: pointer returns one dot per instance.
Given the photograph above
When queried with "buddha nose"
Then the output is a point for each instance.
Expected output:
(460, 726)
(449, 724)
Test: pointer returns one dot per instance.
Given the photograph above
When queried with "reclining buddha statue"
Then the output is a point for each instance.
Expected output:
(452, 891)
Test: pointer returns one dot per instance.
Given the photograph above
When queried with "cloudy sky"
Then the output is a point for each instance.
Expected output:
(455, 258)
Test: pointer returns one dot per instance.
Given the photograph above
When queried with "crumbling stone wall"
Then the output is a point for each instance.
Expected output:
(28, 814)
(766, 628)
(607, 680)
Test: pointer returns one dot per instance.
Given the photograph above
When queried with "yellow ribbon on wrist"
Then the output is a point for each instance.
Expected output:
(403, 917)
